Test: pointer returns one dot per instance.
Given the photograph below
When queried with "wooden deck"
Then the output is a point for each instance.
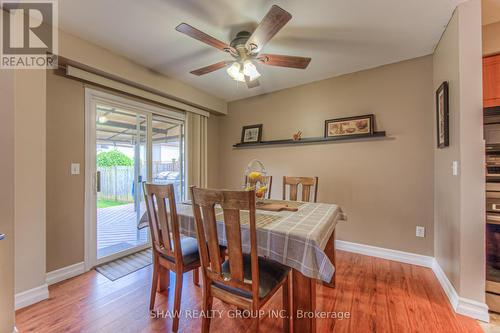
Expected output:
(117, 229)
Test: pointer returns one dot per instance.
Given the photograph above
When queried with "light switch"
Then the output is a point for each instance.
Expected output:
(75, 168)
(420, 232)
(455, 168)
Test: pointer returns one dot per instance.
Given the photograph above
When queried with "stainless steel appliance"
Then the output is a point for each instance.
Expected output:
(492, 138)
(492, 168)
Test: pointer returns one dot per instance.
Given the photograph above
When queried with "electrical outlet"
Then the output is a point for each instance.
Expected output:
(420, 231)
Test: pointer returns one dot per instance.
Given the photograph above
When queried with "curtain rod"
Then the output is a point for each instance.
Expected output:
(89, 74)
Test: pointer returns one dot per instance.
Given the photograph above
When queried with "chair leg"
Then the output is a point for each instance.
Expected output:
(163, 279)
(196, 276)
(154, 286)
(177, 300)
(255, 325)
(207, 309)
(286, 306)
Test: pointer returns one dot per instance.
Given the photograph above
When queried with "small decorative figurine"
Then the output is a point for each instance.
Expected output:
(297, 136)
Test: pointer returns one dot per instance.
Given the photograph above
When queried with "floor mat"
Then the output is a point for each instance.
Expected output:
(120, 267)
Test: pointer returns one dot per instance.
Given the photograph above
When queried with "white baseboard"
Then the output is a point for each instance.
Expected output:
(380, 252)
(35, 295)
(448, 288)
(31, 296)
(473, 309)
(461, 305)
(65, 273)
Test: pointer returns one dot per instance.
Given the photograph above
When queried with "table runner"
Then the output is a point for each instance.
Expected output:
(261, 220)
(296, 239)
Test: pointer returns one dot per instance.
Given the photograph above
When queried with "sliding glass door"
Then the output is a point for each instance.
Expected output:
(121, 163)
(168, 153)
(128, 142)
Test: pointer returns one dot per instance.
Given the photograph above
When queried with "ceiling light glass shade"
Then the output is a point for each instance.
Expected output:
(250, 70)
(234, 71)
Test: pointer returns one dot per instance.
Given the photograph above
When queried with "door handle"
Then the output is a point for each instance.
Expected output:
(2, 236)
(98, 181)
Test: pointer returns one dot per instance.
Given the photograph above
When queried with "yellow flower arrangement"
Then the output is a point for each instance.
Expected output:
(261, 192)
(254, 175)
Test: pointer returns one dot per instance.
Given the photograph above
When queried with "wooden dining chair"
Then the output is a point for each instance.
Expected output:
(267, 179)
(307, 187)
(244, 280)
(170, 251)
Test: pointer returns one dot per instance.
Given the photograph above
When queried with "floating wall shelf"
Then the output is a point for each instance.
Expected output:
(362, 137)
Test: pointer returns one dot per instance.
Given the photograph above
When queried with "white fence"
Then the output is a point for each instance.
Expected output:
(117, 182)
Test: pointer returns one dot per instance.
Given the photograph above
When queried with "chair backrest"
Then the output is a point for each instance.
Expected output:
(266, 179)
(231, 202)
(163, 220)
(307, 186)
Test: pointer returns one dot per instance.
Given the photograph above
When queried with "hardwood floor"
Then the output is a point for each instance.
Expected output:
(381, 296)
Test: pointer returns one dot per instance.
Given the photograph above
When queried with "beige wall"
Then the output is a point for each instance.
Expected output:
(65, 140)
(472, 154)
(7, 200)
(29, 179)
(491, 39)
(92, 55)
(64, 243)
(447, 186)
(459, 200)
(65, 192)
(384, 186)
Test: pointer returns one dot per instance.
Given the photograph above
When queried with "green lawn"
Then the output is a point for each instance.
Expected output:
(101, 203)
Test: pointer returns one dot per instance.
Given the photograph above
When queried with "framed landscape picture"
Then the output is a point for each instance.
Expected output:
(442, 116)
(251, 133)
(350, 126)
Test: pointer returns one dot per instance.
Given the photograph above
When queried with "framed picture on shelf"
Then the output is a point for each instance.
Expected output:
(251, 133)
(349, 126)
(442, 116)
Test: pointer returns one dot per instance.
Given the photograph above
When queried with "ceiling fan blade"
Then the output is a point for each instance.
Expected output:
(202, 37)
(209, 68)
(274, 20)
(284, 60)
(251, 84)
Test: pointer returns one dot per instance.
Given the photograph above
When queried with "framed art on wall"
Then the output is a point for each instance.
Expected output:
(349, 126)
(442, 116)
(251, 133)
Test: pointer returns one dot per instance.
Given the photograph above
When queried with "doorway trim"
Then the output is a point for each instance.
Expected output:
(92, 96)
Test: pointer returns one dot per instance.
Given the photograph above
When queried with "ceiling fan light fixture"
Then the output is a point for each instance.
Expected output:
(234, 71)
(250, 70)
(245, 49)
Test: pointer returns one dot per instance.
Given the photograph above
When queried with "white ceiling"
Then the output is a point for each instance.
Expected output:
(341, 36)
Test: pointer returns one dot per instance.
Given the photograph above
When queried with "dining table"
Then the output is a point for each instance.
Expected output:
(303, 240)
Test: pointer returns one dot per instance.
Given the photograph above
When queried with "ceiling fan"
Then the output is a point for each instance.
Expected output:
(245, 49)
